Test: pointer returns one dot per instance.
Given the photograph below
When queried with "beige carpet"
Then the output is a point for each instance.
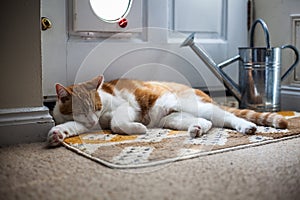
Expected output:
(162, 146)
(34, 172)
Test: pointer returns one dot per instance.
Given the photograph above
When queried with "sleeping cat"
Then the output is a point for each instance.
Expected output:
(131, 106)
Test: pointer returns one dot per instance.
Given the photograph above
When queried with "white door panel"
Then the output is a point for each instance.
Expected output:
(193, 15)
(54, 41)
(153, 53)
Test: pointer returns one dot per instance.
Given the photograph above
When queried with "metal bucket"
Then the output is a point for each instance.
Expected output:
(260, 74)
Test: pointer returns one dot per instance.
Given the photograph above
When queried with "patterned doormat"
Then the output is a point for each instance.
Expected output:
(161, 146)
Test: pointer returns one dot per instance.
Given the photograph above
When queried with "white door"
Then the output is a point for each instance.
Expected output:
(80, 45)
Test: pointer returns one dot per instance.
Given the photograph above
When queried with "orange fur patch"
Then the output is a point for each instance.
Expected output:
(96, 100)
(108, 88)
(145, 93)
(146, 98)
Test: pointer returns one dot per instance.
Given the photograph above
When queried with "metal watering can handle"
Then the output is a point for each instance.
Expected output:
(294, 64)
(265, 28)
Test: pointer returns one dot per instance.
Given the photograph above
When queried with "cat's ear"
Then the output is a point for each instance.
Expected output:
(61, 91)
(98, 81)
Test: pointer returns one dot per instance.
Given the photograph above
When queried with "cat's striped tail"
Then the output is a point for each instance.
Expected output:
(259, 118)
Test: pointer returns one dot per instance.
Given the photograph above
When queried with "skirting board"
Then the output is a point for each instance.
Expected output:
(24, 125)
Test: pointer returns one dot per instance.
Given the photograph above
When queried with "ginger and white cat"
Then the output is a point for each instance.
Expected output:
(131, 106)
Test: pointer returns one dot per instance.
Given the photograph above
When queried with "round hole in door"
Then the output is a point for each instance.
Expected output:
(111, 10)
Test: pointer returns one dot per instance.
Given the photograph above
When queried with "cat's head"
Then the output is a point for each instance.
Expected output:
(79, 102)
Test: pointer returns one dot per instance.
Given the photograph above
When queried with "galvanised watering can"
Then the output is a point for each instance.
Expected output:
(259, 72)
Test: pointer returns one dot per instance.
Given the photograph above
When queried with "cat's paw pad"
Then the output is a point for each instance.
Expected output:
(55, 137)
(195, 131)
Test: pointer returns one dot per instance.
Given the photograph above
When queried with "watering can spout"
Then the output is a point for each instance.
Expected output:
(259, 71)
(215, 69)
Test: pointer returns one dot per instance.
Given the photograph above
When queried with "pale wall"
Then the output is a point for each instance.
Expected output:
(276, 13)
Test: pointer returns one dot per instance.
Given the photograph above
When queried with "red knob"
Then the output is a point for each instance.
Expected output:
(123, 23)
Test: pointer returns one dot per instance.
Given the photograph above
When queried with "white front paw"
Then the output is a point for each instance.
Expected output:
(197, 130)
(246, 127)
(56, 136)
(138, 128)
(130, 128)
